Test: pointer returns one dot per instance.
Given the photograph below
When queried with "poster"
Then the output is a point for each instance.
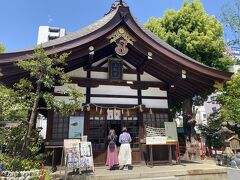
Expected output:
(171, 131)
(72, 153)
(76, 126)
(86, 156)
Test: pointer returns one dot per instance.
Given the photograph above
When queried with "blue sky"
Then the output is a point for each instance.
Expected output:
(20, 19)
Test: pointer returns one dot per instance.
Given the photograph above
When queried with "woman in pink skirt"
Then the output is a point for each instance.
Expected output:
(112, 153)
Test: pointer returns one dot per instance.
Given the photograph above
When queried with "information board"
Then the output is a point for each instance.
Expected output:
(76, 126)
(171, 131)
(156, 140)
(72, 153)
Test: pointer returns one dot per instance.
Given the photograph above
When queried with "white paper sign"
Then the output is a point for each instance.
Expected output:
(86, 156)
(156, 140)
(72, 153)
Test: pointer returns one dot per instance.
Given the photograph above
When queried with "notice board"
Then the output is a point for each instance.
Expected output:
(171, 130)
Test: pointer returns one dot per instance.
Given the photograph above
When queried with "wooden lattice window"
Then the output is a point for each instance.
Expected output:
(60, 127)
(115, 69)
(155, 119)
(130, 120)
(97, 131)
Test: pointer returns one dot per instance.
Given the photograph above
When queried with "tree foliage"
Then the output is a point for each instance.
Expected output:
(194, 33)
(229, 99)
(12, 105)
(210, 131)
(231, 18)
(2, 49)
(22, 101)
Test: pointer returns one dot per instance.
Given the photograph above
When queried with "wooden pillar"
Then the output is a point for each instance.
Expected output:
(50, 115)
(170, 116)
(140, 118)
(88, 89)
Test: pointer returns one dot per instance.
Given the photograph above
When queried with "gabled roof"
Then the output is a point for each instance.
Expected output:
(167, 62)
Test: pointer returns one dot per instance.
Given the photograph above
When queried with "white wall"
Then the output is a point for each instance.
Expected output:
(147, 77)
(103, 100)
(154, 92)
(78, 73)
(155, 103)
(114, 90)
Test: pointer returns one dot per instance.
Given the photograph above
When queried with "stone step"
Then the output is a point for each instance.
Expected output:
(159, 178)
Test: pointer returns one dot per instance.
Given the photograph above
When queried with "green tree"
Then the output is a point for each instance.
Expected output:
(2, 49)
(231, 18)
(229, 99)
(12, 108)
(193, 32)
(45, 72)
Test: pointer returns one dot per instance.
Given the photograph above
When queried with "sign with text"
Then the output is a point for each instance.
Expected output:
(86, 155)
(156, 140)
(76, 126)
(72, 153)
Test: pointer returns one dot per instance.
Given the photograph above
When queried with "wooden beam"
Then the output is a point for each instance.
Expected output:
(90, 81)
(105, 69)
(115, 96)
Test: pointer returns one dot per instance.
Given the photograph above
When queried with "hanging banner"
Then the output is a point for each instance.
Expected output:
(76, 126)
(86, 155)
(72, 153)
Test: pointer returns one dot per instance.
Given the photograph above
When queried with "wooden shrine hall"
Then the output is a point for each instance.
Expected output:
(130, 78)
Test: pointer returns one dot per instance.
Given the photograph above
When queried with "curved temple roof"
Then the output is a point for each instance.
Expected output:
(166, 63)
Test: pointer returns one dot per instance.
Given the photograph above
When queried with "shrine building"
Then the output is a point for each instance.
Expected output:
(130, 77)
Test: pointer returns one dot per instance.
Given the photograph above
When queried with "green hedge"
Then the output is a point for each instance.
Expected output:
(18, 163)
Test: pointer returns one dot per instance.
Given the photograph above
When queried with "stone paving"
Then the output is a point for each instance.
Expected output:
(198, 170)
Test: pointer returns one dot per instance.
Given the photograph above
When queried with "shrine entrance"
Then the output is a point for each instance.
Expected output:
(102, 120)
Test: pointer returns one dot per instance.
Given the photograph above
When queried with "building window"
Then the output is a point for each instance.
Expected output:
(97, 130)
(115, 69)
(155, 119)
(60, 127)
(130, 120)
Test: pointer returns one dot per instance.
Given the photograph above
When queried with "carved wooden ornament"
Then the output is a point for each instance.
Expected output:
(121, 38)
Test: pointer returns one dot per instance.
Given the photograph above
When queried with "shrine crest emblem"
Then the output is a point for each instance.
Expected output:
(121, 48)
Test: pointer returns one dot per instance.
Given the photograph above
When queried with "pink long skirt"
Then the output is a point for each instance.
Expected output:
(112, 157)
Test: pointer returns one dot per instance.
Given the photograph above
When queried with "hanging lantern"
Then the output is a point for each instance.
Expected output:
(128, 114)
(88, 107)
(150, 111)
(100, 112)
